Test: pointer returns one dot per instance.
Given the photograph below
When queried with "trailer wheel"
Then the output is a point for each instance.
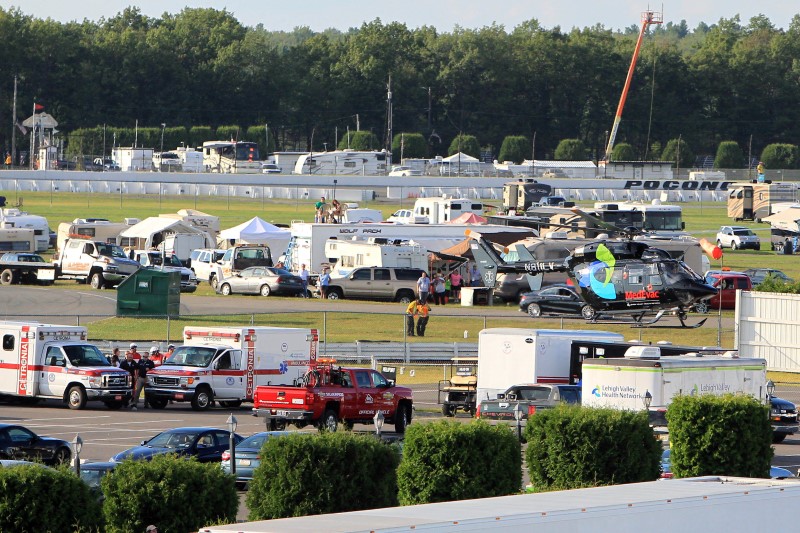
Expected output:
(76, 397)
(329, 422)
(202, 400)
(7, 277)
(401, 418)
(97, 281)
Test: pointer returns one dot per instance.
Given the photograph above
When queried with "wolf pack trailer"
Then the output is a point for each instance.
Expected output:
(342, 163)
(756, 201)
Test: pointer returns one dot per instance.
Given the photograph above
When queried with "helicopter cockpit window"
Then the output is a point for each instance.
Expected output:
(635, 277)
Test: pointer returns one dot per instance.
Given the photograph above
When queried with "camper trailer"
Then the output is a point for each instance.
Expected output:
(755, 201)
(342, 162)
(520, 195)
(14, 218)
(443, 210)
(375, 252)
(96, 229)
(17, 240)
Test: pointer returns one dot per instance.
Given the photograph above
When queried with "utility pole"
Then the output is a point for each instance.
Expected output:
(389, 124)
(14, 125)
(533, 156)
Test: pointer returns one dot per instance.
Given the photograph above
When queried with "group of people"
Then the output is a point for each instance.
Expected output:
(329, 213)
(419, 310)
(441, 288)
(138, 365)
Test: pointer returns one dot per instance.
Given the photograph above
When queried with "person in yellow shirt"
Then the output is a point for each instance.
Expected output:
(423, 310)
(411, 312)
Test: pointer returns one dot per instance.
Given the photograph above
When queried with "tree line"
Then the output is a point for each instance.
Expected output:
(202, 68)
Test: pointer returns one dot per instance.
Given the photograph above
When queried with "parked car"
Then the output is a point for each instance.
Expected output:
(758, 275)
(727, 284)
(775, 472)
(201, 261)
(263, 281)
(108, 164)
(93, 473)
(248, 455)
(204, 443)
(531, 398)
(407, 216)
(405, 171)
(89, 164)
(64, 164)
(555, 300)
(376, 283)
(737, 238)
(19, 442)
(270, 168)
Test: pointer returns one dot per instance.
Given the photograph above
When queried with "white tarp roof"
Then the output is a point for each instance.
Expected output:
(460, 156)
(258, 231)
(786, 219)
(152, 225)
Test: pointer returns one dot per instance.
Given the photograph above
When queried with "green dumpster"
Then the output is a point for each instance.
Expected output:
(149, 292)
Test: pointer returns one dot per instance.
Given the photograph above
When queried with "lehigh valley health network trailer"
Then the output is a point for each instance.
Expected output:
(709, 504)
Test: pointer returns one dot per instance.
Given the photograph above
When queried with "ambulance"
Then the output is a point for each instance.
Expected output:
(226, 364)
(52, 361)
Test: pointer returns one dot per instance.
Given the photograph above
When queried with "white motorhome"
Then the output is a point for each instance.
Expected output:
(623, 383)
(510, 356)
(53, 361)
(96, 229)
(227, 364)
(342, 162)
(133, 159)
(231, 157)
(307, 245)
(442, 210)
(359, 253)
(14, 218)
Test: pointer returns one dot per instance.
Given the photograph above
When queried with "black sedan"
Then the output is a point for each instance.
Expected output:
(555, 300)
(263, 281)
(18, 442)
(207, 444)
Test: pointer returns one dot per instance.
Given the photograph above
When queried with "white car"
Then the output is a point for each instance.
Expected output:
(270, 168)
(407, 216)
(405, 171)
(737, 238)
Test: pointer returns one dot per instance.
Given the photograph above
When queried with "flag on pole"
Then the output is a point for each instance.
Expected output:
(22, 128)
(38, 107)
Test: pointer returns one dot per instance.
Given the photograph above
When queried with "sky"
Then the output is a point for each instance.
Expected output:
(442, 14)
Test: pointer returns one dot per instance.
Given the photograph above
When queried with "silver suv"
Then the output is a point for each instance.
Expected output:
(376, 283)
(737, 238)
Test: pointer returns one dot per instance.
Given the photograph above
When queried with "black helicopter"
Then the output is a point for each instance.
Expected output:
(615, 277)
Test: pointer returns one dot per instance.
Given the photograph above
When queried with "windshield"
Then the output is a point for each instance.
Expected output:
(662, 221)
(743, 232)
(256, 441)
(172, 440)
(199, 356)
(675, 271)
(85, 355)
(111, 250)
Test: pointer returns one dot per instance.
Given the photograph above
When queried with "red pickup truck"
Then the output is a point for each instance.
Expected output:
(328, 395)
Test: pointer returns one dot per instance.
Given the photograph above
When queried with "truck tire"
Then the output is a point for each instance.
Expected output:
(157, 403)
(334, 293)
(212, 280)
(275, 425)
(96, 281)
(405, 297)
(401, 418)
(76, 397)
(203, 399)
(777, 438)
(225, 289)
(329, 421)
(7, 277)
(701, 307)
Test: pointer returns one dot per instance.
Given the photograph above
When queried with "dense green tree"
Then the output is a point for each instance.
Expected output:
(623, 152)
(781, 156)
(679, 152)
(409, 145)
(466, 144)
(359, 140)
(729, 155)
(514, 148)
(571, 150)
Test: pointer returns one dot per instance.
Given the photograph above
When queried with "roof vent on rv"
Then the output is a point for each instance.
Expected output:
(643, 352)
(556, 235)
(131, 221)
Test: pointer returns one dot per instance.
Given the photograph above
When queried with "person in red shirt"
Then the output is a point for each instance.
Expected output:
(156, 357)
(136, 355)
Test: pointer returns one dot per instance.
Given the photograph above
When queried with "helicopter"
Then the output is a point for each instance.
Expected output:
(615, 277)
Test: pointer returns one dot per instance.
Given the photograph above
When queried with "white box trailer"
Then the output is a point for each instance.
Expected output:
(624, 383)
(227, 364)
(54, 361)
(709, 504)
(509, 356)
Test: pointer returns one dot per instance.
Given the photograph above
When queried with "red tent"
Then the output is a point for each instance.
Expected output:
(468, 218)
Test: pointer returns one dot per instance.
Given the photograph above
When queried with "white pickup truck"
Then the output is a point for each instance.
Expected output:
(154, 259)
(99, 263)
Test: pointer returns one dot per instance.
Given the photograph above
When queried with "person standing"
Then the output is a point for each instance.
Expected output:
(423, 286)
(115, 357)
(411, 312)
(136, 355)
(455, 284)
(423, 310)
(132, 367)
(145, 365)
(475, 277)
(156, 357)
(324, 281)
(304, 277)
(439, 289)
(168, 353)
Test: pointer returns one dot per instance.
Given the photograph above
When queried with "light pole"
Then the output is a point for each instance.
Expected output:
(161, 160)
(518, 418)
(231, 444)
(77, 444)
(647, 399)
(378, 419)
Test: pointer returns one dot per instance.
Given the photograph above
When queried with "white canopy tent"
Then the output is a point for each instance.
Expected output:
(257, 231)
(462, 157)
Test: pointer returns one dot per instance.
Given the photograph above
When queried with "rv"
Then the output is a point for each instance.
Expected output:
(231, 157)
(375, 252)
(191, 160)
(14, 218)
(657, 218)
(443, 210)
(758, 200)
(342, 162)
(96, 229)
(520, 195)
(133, 159)
(17, 240)
(307, 245)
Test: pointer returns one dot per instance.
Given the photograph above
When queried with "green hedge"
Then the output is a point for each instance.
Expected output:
(175, 494)
(573, 446)
(328, 473)
(448, 460)
(35, 499)
(729, 155)
(719, 435)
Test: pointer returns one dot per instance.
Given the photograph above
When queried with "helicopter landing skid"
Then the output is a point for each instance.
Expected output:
(636, 320)
(684, 325)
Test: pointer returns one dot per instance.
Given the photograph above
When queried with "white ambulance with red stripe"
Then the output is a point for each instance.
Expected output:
(50, 361)
(225, 364)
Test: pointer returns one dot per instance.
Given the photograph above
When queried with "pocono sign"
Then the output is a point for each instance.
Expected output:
(678, 185)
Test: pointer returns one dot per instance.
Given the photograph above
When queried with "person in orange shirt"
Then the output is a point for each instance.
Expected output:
(156, 357)
(423, 309)
(136, 355)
